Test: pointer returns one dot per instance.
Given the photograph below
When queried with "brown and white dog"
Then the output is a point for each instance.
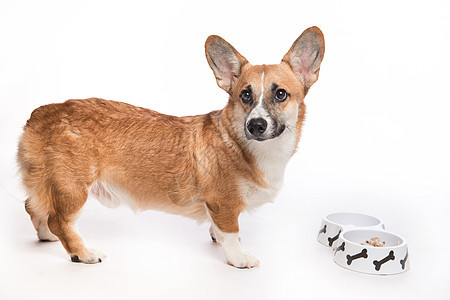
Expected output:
(208, 167)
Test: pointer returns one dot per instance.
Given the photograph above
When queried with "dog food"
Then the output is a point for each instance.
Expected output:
(375, 242)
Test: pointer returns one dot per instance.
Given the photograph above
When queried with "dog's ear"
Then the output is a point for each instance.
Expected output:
(305, 56)
(224, 60)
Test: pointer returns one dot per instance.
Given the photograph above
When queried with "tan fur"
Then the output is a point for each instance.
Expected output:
(285, 79)
(192, 166)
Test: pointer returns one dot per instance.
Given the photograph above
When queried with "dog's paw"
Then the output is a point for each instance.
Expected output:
(45, 235)
(90, 256)
(212, 234)
(242, 260)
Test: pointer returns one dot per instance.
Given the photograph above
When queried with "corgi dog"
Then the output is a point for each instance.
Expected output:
(208, 167)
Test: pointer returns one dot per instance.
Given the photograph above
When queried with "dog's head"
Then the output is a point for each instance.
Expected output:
(266, 98)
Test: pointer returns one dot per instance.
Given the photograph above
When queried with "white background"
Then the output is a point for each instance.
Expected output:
(376, 141)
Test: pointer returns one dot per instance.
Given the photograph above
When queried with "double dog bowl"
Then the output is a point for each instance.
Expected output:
(361, 244)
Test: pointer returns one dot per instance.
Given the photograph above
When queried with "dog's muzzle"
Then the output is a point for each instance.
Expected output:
(256, 129)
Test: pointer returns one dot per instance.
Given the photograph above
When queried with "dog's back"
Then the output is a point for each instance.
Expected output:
(123, 154)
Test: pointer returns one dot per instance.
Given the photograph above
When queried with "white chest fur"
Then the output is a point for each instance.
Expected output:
(272, 157)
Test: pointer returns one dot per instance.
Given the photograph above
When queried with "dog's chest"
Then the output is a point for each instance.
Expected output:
(256, 196)
(271, 158)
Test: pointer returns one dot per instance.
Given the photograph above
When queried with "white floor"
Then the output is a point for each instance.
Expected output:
(157, 256)
(375, 141)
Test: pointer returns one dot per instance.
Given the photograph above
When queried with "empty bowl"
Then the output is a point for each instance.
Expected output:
(334, 224)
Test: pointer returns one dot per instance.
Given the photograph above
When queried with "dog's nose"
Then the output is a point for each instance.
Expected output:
(257, 126)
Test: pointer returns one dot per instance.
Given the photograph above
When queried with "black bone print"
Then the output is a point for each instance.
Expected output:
(340, 248)
(362, 254)
(331, 240)
(324, 229)
(384, 260)
(403, 261)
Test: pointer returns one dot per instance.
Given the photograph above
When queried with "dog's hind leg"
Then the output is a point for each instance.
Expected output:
(62, 222)
(39, 218)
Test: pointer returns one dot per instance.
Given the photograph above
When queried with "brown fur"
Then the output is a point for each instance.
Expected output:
(192, 166)
(66, 147)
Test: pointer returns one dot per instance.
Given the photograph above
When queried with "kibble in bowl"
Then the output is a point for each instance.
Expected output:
(372, 251)
(374, 242)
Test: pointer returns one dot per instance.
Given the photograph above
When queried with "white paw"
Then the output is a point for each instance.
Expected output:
(213, 234)
(45, 235)
(90, 256)
(242, 259)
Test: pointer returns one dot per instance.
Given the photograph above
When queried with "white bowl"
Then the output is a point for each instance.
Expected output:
(334, 224)
(348, 233)
(353, 252)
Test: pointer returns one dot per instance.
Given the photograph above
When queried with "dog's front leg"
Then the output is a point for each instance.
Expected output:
(225, 230)
(229, 242)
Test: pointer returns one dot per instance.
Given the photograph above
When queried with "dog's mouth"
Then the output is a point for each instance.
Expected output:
(276, 132)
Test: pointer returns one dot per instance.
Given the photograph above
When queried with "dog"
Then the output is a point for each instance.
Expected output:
(208, 167)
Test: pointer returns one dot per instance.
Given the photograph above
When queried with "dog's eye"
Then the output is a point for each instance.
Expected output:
(281, 95)
(246, 96)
